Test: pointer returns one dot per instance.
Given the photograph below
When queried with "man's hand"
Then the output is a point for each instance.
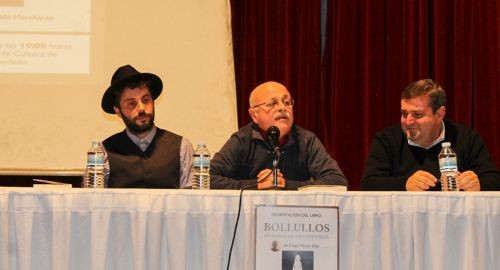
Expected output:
(468, 181)
(420, 181)
(264, 182)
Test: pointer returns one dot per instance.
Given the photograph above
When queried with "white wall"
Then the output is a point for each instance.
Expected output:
(49, 117)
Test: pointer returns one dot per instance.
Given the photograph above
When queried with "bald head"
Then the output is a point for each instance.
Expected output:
(263, 90)
(270, 106)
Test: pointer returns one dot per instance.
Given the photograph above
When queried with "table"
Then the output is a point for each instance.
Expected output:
(189, 229)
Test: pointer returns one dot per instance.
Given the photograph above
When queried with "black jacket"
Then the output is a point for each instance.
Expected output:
(304, 160)
(392, 160)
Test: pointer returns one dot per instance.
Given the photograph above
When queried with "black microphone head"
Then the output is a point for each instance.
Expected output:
(273, 133)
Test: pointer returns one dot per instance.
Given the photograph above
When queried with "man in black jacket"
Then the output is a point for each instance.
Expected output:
(247, 157)
(405, 156)
(143, 155)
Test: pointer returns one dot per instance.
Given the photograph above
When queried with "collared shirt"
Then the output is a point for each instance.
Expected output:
(436, 141)
(143, 143)
(186, 154)
(392, 160)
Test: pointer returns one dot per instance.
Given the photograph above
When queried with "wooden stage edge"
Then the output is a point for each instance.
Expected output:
(23, 177)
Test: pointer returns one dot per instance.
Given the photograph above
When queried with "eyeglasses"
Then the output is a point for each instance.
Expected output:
(273, 103)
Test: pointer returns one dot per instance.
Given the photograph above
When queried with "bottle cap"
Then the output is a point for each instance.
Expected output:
(446, 144)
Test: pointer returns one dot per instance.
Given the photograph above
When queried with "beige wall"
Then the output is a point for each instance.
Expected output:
(49, 120)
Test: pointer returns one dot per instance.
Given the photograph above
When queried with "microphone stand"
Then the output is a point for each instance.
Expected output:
(276, 160)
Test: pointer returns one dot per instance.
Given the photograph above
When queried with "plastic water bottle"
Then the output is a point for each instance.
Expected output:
(201, 167)
(448, 168)
(96, 174)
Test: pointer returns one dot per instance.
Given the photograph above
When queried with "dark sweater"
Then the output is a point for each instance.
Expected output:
(304, 160)
(157, 167)
(392, 160)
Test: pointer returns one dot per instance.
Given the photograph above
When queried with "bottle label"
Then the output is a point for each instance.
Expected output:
(199, 161)
(448, 164)
(95, 159)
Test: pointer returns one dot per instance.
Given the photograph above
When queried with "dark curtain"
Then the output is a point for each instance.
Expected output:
(278, 41)
(373, 50)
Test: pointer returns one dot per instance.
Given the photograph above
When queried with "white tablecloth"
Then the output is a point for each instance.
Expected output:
(185, 229)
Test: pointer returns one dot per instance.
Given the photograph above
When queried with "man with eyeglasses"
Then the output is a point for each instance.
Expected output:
(405, 156)
(246, 160)
(143, 155)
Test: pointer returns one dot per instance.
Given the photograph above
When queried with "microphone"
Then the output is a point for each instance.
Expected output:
(273, 133)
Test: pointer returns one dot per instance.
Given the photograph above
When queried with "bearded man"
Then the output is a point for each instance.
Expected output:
(143, 155)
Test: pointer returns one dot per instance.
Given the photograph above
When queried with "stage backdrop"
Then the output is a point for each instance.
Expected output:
(346, 63)
(57, 58)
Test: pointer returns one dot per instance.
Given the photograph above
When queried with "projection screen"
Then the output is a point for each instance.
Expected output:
(57, 58)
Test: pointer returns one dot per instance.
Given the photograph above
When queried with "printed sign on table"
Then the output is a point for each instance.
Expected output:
(296, 237)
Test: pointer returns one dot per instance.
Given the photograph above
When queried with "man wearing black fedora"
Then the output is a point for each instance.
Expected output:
(143, 155)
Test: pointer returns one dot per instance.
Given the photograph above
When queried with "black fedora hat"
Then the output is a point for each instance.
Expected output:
(124, 75)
